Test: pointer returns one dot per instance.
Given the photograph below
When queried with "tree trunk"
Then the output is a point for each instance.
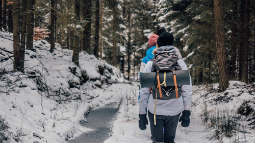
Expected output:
(30, 23)
(76, 50)
(101, 28)
(87, 28)
(1, 16)
(234, 42)
(76, 46)
(96, 48)
(10, 23)
(129, 44)
(221, 51)
(244, 44)
(5, 15)
(114, 36)
(23, 34)
(16, 37)
(77, 9)
(52, 25)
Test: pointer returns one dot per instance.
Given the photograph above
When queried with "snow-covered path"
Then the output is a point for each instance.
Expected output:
(126, 129)
(196, 133)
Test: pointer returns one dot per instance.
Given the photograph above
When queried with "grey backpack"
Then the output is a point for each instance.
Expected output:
(165, 60)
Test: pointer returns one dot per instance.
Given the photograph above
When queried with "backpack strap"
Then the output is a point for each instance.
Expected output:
(155, 109)
(175, 84)
(159, 87)
(164, 82)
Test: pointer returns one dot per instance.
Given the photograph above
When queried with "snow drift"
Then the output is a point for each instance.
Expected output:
(47, 101)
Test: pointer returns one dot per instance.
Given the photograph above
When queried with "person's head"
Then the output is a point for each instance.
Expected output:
(152, 40)
(165, 39)
(160, 30)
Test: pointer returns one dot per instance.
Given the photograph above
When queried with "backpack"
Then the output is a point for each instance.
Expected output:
(165, 61)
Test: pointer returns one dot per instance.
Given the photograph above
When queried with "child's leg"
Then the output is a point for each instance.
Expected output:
(170, 126)
(156, 131)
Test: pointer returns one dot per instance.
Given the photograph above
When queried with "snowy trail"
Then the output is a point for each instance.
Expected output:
(196, 133)
(125, 128)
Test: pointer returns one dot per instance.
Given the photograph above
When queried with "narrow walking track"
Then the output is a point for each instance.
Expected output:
(110, 127)
(196, 133)
(125, 128)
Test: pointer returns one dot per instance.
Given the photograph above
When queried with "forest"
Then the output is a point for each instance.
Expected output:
(115, 31)
(70, 51)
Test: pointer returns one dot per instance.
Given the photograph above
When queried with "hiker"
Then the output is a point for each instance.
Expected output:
(149, 53)
(151, 46)
(175, 104)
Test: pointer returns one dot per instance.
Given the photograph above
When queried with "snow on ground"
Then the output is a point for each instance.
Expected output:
(47, 102)
(126, 130)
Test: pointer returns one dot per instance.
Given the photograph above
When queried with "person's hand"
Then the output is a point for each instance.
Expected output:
(185, 118)
(143, 121)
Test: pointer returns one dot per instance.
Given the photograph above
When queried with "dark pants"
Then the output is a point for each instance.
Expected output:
(165, 128)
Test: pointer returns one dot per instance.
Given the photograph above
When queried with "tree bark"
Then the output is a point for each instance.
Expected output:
(244, 44)
(1, 16)
(221, 51)
(30, 23)
(96, 48)
(87, 28)
(76, 50)
(114, 36)
(5, 15)
(101, 28)
(52, 25)
(76, 46)
(235, 42)
(10, 23)
(16, 37)
(129, 44)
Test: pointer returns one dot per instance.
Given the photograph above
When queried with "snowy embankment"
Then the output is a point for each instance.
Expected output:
(47, 102)
(216, 117)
